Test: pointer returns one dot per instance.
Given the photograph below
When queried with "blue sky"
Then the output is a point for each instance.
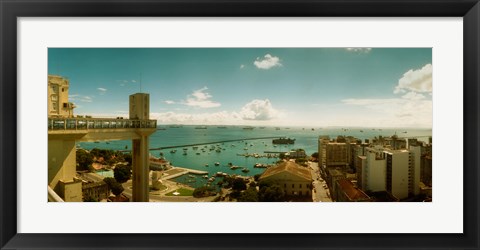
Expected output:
(366, 87)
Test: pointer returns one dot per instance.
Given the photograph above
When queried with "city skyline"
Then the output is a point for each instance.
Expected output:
(363, 87)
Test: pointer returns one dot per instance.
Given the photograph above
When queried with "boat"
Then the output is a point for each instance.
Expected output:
(206, 165)
(201, 127)
(262, 127)
(259, 165)
(184, 153)
(195, 147)
(97, 141)
(277, 128)
(283, 140)
(217, 163)
(245, 170)
(198, 153)
(222, 127)
(234, 167)
(173, 151)
(174, 126)
(248, 128)
(161, 128)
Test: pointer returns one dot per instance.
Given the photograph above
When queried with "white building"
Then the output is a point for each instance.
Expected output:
(398, 163)
(374, 171)
(395, 171)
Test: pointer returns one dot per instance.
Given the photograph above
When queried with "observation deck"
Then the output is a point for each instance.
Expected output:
(92, 129)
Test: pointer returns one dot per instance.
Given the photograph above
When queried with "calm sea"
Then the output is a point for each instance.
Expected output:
(230, 152)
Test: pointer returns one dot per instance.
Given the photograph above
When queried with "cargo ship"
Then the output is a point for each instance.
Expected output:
(283, 140)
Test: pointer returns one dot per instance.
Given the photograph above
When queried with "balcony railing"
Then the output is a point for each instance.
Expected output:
(97, 123)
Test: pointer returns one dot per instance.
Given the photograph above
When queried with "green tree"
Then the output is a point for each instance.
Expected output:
(122, 173)
(84, 160)
(250, 195)
(89, 199)
(128, 158)
(239, 184)
(116, 187)
(272, 193)
(265, 183)
(301, 161)
(203, 192)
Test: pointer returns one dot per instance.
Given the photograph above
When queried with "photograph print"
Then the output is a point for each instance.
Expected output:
(240, 124)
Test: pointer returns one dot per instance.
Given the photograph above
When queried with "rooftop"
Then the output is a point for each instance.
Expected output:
(290, 167)
(352, 192)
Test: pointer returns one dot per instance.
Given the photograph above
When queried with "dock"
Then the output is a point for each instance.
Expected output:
(178, 171)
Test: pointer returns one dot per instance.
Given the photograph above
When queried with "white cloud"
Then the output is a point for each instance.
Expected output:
(410, 110)
(267, 62)
(79, 98)
(419, 80)
(413, 108)
(359, 50)
(169, 102)
(222, 117)
(242, 66)
(201, 99)
(134, 81)
(260, 110)
(101, 91)
(413, 96)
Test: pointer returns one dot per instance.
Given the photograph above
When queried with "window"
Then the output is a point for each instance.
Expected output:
(285, 185)
(54, 106)
(300, 186)
(293, 185)
(54, 98)
(63, 89)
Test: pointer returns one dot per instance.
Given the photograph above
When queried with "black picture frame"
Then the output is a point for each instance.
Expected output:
(11, 9)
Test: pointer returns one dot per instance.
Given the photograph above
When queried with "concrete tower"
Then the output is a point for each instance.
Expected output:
(140, 110)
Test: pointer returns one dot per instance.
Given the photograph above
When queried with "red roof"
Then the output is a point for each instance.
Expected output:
(288, 166)
(352, 192)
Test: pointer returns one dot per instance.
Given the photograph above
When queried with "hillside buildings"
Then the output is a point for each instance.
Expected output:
(394, 165)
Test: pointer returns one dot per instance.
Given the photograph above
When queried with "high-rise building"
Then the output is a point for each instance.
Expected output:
(322, 154)
(373, 170)
(414, 170)
(337, 154)
(398, 163)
